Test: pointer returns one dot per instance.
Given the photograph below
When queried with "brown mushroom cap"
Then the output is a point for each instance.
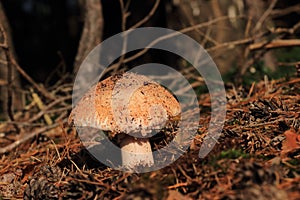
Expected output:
(149, 106)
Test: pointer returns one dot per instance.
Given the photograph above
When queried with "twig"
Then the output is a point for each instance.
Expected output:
(275, 44)
(251, 61)
(251, 90)
(286, 11)
(124, 13)
(25, 124)
(59, 110)
(177, 185)
(184, 30)
(231, 43)
(191, 21)
(288, 63)
(12, 62)
(9, 103)
(60, 70)
(287, 30)
(42, 112)
(146, 18)
(184, 173)
(41, 106)
(59, 158)
(265, 15)
(25, 138)
(59, 87)
(42, 90)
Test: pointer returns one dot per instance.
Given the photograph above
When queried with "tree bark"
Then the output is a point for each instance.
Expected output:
(10, 99)
(92, 31)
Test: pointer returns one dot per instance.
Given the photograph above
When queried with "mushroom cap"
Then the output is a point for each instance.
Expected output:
(127, 103)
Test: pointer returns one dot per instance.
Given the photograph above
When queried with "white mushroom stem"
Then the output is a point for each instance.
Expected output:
(136, 152)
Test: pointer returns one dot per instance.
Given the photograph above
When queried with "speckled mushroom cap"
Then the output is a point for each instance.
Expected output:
(127, 103)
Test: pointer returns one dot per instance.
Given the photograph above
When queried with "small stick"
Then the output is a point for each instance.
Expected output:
(50, 105)
(265, 15)
(25, 138)
(146, 18)
(177, 185)
(184, 30)
(41, 106)
(279, 43)
(42, 90)
(251, 90)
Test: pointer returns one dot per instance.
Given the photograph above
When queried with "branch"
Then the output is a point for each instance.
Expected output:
(231, 43)
(287, 30)
(275, 44)
(286, 11)
(265, 15)
(185, 30)
(39, 88)
(47, 107)
(124, 13)
(146, 18)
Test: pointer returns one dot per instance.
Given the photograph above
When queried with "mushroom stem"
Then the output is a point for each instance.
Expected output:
(136, 152)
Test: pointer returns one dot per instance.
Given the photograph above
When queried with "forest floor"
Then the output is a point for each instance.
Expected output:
(256, 157)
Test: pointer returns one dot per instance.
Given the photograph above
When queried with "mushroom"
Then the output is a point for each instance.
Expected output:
(131, 107)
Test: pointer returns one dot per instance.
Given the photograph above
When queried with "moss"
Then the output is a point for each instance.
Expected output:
(233, 154)
(229, 154)
(288, 55)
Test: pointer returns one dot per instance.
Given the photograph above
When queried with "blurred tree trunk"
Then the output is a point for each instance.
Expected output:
(9, 78)
(190, 13)
(92, 31)
(255, 10)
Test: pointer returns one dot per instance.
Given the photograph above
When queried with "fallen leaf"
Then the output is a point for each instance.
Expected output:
(292, 141)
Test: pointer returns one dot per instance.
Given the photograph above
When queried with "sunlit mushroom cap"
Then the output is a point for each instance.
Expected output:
(127, 103)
